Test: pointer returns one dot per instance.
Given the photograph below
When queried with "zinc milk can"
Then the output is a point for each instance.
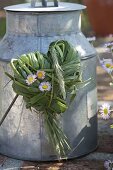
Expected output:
(31, 27)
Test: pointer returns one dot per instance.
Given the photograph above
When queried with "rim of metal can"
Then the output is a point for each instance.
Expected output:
(63, 7)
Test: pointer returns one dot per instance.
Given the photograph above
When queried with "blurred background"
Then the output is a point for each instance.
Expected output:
(86, 26)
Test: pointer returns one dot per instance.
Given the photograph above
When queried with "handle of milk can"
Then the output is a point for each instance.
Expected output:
(44, 3)
(56, 3)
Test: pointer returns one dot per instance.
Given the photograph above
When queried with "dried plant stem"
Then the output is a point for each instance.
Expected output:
(8, 110)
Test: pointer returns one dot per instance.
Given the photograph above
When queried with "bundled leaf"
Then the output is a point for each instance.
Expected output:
(44, 81)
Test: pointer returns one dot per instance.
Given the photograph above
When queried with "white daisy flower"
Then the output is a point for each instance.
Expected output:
(108, 165)
(30, 79)
(40, 74)
(109, 44)
(45, 86)
(105, 111)
(107, 65)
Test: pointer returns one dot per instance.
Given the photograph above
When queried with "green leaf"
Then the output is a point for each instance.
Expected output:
(22, 65)
(73, 95)
(33, 61)
(40, 59)
(14, 64)
(36, 98)
(25, 59)
(9, 75)
(63, 107)
(21, 91)
(58, 107)
(58, 71)
(30, 89)
(61, 57)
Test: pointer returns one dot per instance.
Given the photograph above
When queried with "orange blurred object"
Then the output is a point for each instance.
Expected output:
(100, 14)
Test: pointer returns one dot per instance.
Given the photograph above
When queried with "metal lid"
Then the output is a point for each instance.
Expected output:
(63, 7)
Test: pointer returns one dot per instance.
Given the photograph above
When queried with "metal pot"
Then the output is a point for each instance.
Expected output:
(22, 135)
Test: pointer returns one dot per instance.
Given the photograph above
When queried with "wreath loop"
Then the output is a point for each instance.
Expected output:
(45, 81)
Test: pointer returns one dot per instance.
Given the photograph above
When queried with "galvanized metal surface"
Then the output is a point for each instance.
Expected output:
(62, 7)
(44, 3)
(22, 134)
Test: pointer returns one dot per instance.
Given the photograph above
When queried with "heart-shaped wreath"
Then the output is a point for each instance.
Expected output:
(45, 81)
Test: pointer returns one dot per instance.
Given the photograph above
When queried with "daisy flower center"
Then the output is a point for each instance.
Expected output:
(108, 65)
(45, 86)
(30, 79)
(40, 74)
(105, 111)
